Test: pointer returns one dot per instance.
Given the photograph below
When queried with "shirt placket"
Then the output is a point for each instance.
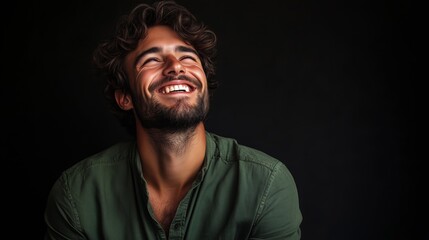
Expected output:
(177, 226)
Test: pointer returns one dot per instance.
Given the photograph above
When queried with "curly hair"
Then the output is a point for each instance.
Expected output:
(110, 54)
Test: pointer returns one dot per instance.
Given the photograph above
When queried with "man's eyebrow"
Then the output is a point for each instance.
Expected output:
(186, 49)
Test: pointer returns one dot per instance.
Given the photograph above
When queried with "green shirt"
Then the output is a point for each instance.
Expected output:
(240, 193)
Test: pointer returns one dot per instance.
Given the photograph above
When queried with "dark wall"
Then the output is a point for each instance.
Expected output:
(324, 86)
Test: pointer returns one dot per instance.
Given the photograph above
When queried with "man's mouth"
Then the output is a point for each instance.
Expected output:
(176, 88)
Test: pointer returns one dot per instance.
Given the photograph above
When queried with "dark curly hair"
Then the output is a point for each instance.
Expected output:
(110, 54)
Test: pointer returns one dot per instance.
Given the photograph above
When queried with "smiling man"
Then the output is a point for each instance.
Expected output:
(169, 86)
(175, 180)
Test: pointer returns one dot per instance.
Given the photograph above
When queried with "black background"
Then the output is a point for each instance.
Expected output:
(327, 87)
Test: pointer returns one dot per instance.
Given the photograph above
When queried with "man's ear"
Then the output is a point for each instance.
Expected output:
(123, 100)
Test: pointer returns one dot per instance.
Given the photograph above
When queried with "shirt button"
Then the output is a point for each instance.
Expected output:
(177, 225)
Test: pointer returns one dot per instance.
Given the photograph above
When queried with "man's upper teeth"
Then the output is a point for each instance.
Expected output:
(174, 88)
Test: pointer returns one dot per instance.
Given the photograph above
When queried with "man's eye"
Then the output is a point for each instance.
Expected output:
(150, 60)
(188, 58)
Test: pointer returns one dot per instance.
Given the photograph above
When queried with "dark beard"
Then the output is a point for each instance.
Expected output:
(179, 118)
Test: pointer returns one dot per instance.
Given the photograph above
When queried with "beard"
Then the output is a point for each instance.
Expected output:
(180, 117)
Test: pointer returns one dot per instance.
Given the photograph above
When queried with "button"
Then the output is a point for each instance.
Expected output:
(177, 226)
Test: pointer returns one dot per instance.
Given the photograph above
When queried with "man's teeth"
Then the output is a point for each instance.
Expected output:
(175, 88)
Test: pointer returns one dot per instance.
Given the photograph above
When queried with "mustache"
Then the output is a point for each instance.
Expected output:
(167, 79)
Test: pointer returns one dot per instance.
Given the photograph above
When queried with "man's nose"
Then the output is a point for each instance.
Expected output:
(173, 66)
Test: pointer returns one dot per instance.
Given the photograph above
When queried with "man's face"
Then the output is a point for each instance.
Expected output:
(168, 83)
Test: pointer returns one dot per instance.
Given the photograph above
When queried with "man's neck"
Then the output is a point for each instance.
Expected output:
(171, 161)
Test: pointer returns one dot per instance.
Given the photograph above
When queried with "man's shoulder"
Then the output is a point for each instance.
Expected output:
(110, 157)
(84, 182)
(231, 150)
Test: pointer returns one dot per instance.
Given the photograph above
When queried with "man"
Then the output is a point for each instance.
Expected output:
(176, 180)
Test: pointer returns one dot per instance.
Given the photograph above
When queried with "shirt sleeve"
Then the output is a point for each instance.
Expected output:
(279, 215)
(61, 216)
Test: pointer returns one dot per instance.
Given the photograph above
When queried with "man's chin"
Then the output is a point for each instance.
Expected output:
(181, 117)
